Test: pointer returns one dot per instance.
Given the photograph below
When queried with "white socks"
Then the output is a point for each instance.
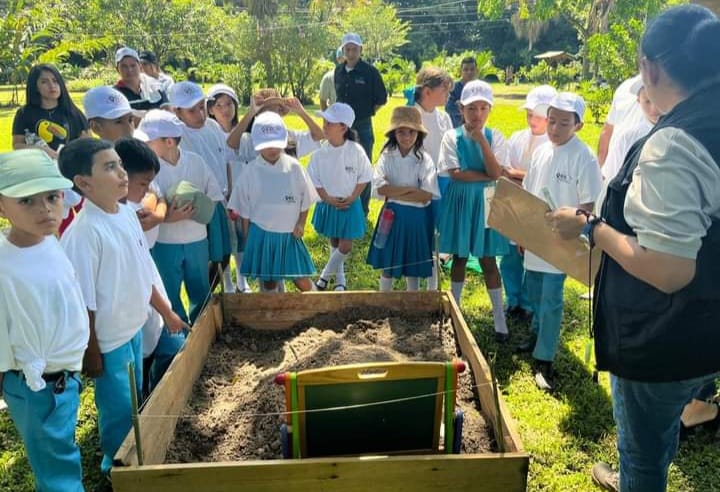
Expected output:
(496, 299)
(456, 289)
(413, 283)
(228, 286)
(432, 282)
(334, 265)
(385, 284)
(241, 281)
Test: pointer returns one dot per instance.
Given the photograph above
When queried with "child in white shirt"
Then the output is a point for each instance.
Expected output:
(107, 247)
(340, 171)
(43, 321)
(566, 169)
(521, 146)
(273, 198)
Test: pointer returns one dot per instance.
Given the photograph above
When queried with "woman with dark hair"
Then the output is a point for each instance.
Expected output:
(657, 302)
(49, 118)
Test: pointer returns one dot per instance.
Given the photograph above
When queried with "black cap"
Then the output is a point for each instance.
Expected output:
(149, 57)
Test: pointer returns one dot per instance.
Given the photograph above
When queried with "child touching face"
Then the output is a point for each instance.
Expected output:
(406, 179)
(340, 171)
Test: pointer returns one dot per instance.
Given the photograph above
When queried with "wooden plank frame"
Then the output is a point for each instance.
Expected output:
(501, 472)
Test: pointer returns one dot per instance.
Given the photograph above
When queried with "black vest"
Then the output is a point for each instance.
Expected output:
(642, 333)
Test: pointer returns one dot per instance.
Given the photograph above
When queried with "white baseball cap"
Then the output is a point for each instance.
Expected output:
(158, 123)
(538, 99)
(185, 94)
(476, 90)
(107, 102)
(351, 38)
(218, 89)
(125, 51)
(637, 86)
(269, 131)
(568, 101)
(338, 113)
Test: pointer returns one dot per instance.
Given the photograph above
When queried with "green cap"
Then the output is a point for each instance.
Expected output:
(27, 172)
(185, 192)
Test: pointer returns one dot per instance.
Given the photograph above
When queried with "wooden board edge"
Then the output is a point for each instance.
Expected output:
(172, 393)
(481, 372)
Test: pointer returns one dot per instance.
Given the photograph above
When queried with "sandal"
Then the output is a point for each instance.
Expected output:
(711, 425)
(340, 288)
(321, 284)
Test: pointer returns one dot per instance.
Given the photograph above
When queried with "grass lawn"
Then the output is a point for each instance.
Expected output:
(565, 432)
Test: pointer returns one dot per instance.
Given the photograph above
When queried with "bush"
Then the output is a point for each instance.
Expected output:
(597, 98)
(559, 76)
(397, 74)
(451, 64)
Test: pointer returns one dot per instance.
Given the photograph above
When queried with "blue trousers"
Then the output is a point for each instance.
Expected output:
(648, 425)
(545, 291)
(512, 271)
(167, 348)
(178, 263)
(112, 396)
(46, 423)
(367, 140)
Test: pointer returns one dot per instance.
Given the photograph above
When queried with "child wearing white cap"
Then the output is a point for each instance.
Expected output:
(273, 198)
(521, 146)
(565, 169)
(473, 155)
(206, 138)
(109, 113)
(43, 321)
(405, 178)
(181, 252)
(625, 135)
(340, 171)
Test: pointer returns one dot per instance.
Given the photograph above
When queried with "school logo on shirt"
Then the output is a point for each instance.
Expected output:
(563, 178)
(350, 170)
(290, 199)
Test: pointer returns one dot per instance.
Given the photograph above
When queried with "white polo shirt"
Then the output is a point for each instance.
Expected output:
(521, 147)
(273, 196)
(43, 319)
(437, 124)
(113, 265)
(572, 176)
(395, 170)
(448, 149)
(339, 170)
(190, 167)
(209, 142)
(623, 138)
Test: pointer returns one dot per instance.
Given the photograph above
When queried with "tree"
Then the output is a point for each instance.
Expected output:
(379, 26)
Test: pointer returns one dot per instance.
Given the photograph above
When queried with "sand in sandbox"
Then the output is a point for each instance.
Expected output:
(234, 411)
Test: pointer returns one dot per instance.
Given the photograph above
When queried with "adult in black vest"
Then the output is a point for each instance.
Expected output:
(359, 84)
(657, 302)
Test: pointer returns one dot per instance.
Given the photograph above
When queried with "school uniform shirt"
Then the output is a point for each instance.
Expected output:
(339, 170)
(304, 145)
(395, 170)
(624, 109)
(448, 158)
(622, 139)
(114, 270)
(521, 146)
(272, 196)
(190, 167)
(210, 143)
(43, 320)
(437, 124)
(571, 174)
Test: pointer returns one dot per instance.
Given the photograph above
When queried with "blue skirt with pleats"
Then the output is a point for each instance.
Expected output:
(271, 256)
(330, 222)
(218, 233)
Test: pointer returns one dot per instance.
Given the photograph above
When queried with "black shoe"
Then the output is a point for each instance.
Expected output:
(512, 312)
(544, 375)
(502, 338)
(524, 316)
(528, 345)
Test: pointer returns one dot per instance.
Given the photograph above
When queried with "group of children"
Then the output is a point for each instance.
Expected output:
(168, 193)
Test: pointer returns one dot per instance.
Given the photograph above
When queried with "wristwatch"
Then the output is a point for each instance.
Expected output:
(586, 236)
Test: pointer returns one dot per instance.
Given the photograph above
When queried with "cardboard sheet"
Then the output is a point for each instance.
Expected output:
(520, 216)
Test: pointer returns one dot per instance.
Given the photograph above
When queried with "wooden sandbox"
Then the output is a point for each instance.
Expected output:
(505, 471)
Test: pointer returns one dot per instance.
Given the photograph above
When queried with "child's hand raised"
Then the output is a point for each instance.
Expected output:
(478, 134)
(294, 105)
(177, 213)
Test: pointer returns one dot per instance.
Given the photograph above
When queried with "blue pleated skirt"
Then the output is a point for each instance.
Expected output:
(436, 204)
(462, 223)
(342, 224)
(218, 233)
(408, 251)
(272, 256)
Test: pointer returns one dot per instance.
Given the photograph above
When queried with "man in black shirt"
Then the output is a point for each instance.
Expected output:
(141, 91)
(360, 85)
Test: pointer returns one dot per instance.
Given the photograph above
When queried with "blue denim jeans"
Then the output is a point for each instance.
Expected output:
(648, 426)
(545, 291)
(367, 139)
